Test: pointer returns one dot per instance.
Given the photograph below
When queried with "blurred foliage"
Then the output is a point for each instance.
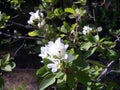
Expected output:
(6, 64)
(65, 19)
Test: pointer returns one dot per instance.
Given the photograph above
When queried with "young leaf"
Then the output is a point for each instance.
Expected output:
(93, 38)
(86, 45)
(58, 11)
(89, 53)
(40, 72)
(61, 78)
(34, 33)
(63, 29)
(47, 81)
(7, 57)
(7, 68)
(70, 10)
(111, 54)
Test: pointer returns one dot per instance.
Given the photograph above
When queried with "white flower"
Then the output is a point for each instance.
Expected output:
(86, 29)
(55, 66)
(54, 51)
(35, 17)
(40, 24)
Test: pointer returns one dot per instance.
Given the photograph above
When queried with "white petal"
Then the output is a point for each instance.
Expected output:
(71, 57)
(51, 65)
(66, 56)
(31, 13)
(54, 70)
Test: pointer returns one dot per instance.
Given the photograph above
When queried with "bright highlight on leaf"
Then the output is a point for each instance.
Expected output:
(70, 10)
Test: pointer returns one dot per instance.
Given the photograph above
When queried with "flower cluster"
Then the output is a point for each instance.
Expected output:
(56, 52)
(36, 18)
(86, 30)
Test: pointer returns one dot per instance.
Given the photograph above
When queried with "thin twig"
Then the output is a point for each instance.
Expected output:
(105, 71)
(21, 25)
(19, 48)
(104, 1)
(76, 31)
(118, 38)
(19, 37)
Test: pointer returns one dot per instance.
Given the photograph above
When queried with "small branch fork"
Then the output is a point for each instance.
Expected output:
(106, 71)
(118, 37)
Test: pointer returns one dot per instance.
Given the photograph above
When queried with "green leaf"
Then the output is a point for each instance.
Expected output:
(7, 57)
(92, 38)
(71, 80)
(50, 15)
(80, 11)
(96, 38)
(96, 63)
(47, 81)
(89, 52)
(111, 54)
(63, 29)
(71, 16)
(12, 64)
(82, 77)
(86, 45)
(67, 26)
(72, 29)
(62, 35)
(42, 71)
(70, 10)
(109, 44)
(58, 11)
(34, 33)
(1, 84)
(61, 79)
(59, 74)
(7, 68)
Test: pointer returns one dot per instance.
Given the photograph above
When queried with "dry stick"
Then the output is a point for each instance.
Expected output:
(118, 38)
(105, 71)
(21, 25)
(76, 31)
(19, 37)
(19, 48)
(104, 1)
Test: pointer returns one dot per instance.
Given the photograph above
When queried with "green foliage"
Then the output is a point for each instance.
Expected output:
(3, 19)
(47, 81)
(70, 10)
(6, 64)
(16, 3)
(86, 25)
(34, 33)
